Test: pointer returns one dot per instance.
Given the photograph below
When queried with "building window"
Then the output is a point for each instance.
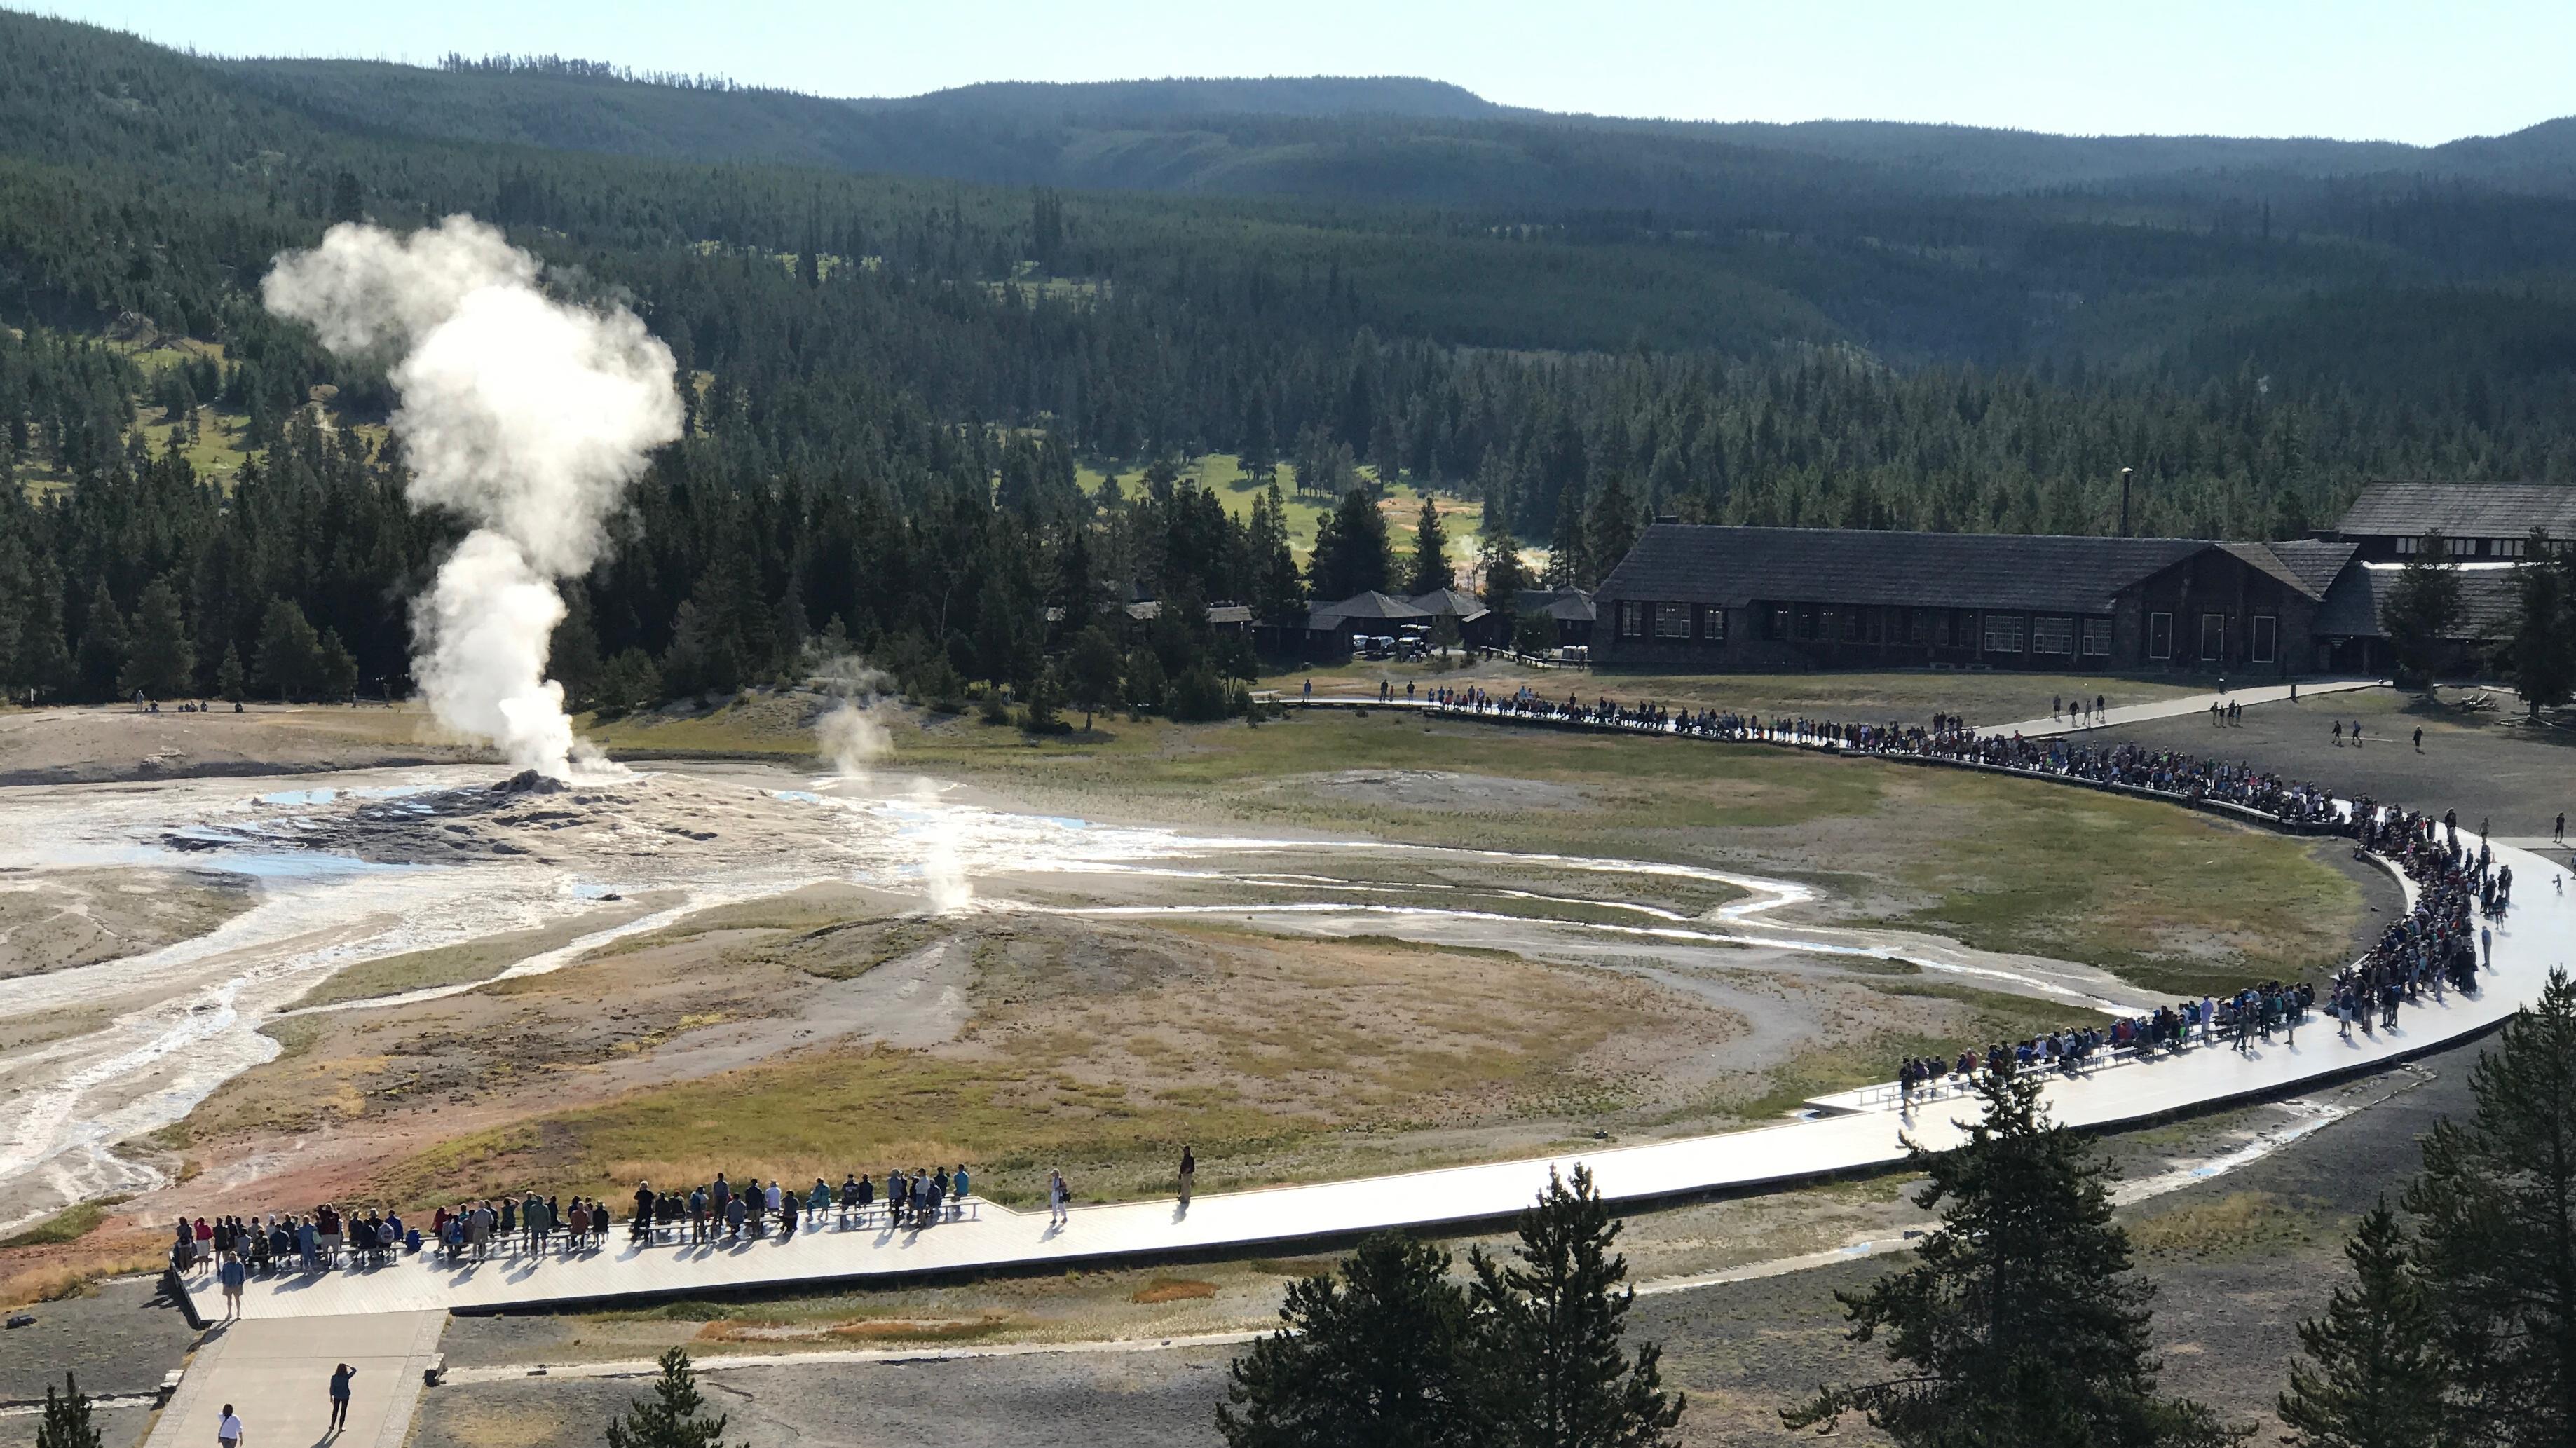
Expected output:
(1632, 620)
(2464, 547)
(1673, 620)
(2509, 547)
(2097, 638)
(1851, 625)
(2213, 638)
(1920, 623)
(1806, 620)
(2407, 547)
(2052, 635)
(1712, 624)
(2003, 633)
(2159, 635)
(2260, 650)
(1780, 623)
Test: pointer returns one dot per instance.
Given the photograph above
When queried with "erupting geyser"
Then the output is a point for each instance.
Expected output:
(527, 415)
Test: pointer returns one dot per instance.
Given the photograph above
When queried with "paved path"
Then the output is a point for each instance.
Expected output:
(2531, 939)
(276, 1372)
(2177, 708)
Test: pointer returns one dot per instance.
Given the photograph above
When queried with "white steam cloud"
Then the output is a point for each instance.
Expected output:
(525, 414)
(850, 733)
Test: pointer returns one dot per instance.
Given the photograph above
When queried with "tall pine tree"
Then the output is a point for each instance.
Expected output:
(1430, 570)
(2020, 1322)
(2374, 1377)
(1549, 1331)
(1375, 1355)
(2495, 1209)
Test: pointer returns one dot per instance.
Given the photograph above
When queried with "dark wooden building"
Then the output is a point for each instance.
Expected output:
(1716, 598)
(2483, 522)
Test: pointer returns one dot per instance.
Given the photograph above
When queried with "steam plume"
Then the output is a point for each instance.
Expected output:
(850, 733)
(525, 414)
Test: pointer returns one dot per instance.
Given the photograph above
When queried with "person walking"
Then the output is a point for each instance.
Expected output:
(1058, 1195)
(2419, 738)
(228, 1429)
(1189, 1174)
(340, 1396)
(233, 1275)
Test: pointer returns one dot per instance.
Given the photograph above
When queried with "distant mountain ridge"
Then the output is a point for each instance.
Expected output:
(1396, 139)
(1308, 96)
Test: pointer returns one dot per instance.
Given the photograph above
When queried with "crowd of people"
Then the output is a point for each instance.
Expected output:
(533, 1225)
(1949, 738)
(2437, 947)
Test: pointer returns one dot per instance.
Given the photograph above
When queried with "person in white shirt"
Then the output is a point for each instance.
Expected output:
(229, 1431)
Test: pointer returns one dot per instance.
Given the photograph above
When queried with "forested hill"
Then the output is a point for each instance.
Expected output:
(905, 389)
(1389, 139)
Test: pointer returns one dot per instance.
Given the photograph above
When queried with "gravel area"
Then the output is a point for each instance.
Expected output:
(119, 1338)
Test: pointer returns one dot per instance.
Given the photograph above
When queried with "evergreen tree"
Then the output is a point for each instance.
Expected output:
(289, 656)
(1352, 554)
(1549, 1333)
(674, 1417)
(102, 646)
(2542, 655)
(66, 1421)
(1498, 559)
(1611, 529)
(1278, 594)
(1092, 672)
(2020, 1322)
(2374, 1376)
(1430, 562)
(2424, 607)
(160, 662)
(229, 678)
(1374, 1356)
(2495, 1208)
(335, 669)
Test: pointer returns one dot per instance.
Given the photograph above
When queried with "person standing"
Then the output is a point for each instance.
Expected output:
(340, 1396)
(228, 1429)
(2559, 835)
(2419, 738)
(1189, 1174)
(1057, 1197)
(233, 1275)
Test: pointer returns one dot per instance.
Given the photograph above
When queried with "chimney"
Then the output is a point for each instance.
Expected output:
(2124, 502)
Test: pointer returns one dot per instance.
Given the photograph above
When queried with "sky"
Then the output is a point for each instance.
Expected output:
(2360, 70)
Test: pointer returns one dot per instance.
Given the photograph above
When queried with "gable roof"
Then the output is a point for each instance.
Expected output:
(2309, 565)
(1371, 605)
(2462, 510)
(1456, 602)
(1701, 563)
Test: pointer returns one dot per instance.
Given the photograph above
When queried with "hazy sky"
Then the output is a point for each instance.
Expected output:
(2365, 69)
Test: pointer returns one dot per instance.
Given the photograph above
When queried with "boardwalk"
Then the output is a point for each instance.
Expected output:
(1855, 1133)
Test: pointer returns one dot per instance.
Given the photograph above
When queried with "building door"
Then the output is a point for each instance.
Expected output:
(2213, 638)
(2266, 639)
(2159, 635)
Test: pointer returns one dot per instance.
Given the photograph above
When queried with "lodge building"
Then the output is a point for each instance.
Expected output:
(1723, 598)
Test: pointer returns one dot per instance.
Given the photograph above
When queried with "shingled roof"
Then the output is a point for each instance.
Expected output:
(1371, 606)
(1701, 563)
(2461, 510)
(2307, 565)
(2357, 606)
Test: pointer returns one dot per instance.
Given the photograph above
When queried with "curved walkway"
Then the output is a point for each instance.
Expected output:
(2528, 941)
